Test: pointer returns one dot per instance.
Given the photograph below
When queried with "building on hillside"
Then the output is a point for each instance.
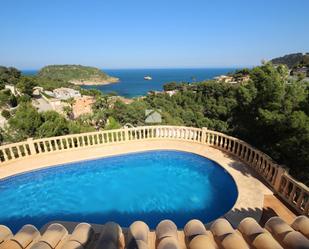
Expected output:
(153, 116)
(154, 92)
(37, 90)
(49, 94)
(171, 93)
(64, 93)
(233, 79)
(113, 99)
(83, 105)
(242, 78)
(301, 71)
(225, 79)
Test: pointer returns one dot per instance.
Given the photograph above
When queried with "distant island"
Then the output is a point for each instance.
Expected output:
(77, 74)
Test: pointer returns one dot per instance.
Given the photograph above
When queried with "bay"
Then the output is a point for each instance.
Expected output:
(133, 84)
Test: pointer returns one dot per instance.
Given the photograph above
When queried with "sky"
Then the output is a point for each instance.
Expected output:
(150, 33)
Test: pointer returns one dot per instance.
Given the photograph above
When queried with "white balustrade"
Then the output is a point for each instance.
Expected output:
(293, 192)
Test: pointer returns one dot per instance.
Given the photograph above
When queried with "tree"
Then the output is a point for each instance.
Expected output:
(101, 103)
(6, 114)
(9, 75)
(170, 86)
(99, 118)
(5, 96)
(53, 125)
(26, 85)
(112, 124)
(68, 109)
(26, 121)
(133, 113)
(271, 115)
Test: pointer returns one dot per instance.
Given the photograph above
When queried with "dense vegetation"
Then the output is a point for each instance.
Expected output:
(28, 122)
(51, 84)
(8, 75)
(24, 85)
(69, 73)
(23, 119)
(292, 60)
(271, 112)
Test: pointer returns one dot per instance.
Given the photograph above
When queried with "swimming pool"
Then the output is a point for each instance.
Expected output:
(149, 186)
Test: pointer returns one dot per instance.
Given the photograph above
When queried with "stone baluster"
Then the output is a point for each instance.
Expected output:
(64, 143)
(306, 210)
(279, 176)
(18, 152)
(225, 143)
(266, 169)
(57, 145)
(286, 188)
(31, 146)
(5, 156)
(229, 144)
(219, 141)
(300, 199)
(25, 149)
(243, 151)
(77, 141)
(12, 153)
(252, 156)
(61, 143)
(292, 194)
(238, 149)
(204, 135)
(39, 147)
(97, 138)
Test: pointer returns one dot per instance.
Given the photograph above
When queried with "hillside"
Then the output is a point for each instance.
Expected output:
(292, 60)
(77, 74)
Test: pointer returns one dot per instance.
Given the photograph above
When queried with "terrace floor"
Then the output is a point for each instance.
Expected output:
(255, 199)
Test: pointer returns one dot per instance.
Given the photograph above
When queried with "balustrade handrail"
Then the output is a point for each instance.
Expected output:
(293, 192)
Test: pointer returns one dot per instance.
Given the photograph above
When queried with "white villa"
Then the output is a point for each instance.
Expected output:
(66, 93)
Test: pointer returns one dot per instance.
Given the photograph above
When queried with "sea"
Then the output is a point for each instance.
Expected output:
(132, 82)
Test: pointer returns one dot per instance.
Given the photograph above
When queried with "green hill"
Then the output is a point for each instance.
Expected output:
(76, 74)
(292, 60)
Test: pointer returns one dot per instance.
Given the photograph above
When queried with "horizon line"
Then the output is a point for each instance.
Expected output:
(150, 68)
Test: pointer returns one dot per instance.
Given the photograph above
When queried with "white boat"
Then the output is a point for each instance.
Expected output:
(147, 78)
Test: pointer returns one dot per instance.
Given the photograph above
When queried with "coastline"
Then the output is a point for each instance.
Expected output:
(110, 80)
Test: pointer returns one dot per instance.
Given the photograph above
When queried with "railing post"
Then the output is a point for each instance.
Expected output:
(280, 172)
(204, 133)
(126, 134)
(31, 146)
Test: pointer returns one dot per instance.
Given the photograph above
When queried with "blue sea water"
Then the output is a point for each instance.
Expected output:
(148, 186)
(132, 83)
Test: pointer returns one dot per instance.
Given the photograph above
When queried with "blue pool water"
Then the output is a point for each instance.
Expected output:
(148, 186)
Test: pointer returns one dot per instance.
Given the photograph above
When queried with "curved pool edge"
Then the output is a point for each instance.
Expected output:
(250, 190)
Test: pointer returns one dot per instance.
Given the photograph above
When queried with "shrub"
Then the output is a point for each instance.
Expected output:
(6, 114)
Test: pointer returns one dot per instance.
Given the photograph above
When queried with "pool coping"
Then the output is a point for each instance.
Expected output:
(251, 190)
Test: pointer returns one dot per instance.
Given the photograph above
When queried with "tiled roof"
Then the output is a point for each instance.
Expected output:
(220, 234)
